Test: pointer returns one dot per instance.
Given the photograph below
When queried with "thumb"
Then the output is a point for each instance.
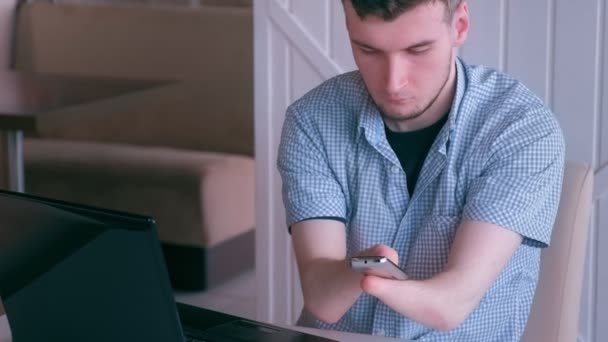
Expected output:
(374, 285)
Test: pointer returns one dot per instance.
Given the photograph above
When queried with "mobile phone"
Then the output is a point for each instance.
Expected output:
(379, 266)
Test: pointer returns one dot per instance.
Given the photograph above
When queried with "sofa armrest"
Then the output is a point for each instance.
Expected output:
(198, 199)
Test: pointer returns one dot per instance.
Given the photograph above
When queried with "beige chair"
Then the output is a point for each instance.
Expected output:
(555, 312)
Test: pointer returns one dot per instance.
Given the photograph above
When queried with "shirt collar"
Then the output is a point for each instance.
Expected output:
(447, 132)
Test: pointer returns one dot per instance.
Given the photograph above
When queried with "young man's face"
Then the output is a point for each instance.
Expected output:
(406, 62)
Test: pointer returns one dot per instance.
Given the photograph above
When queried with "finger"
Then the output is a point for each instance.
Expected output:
(388, 252)
(382, 250)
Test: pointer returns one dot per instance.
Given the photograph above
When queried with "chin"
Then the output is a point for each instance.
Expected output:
(401, 117)
(399, 113)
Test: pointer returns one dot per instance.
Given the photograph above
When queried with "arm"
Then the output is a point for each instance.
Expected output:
(329, 285)
(479, 253)
(310, 189)
(515, 199)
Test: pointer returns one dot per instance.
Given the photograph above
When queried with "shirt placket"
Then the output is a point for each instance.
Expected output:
(382, 320)
(406, 236)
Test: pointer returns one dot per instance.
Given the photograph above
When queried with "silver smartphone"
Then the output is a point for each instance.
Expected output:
(377, 265)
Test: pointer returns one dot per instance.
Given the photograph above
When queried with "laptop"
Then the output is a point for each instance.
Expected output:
(70, 272)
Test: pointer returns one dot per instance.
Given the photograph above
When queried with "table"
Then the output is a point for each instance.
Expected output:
(5, 334)
(341, 336)
(25, 96)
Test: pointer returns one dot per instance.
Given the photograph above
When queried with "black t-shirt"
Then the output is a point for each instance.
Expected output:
(412, 147)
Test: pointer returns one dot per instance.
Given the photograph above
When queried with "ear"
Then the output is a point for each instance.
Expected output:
(461, 23)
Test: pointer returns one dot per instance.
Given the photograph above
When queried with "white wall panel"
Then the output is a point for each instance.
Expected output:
(271, 97)
(314, 17)
(600, 301)
(300, 37)
(304, 75)
(603, 145)
(264, 205)
(528, 57)
(340, 46)
(281, 97)
(485, 42)
(574, 95)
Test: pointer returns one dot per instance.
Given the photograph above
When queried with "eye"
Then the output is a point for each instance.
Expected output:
(419, 50)
(367, 51)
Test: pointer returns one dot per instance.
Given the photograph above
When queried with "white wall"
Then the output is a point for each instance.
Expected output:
(557, 47)
(7, 8)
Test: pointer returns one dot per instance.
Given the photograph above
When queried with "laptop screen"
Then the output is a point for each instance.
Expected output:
(76, 273)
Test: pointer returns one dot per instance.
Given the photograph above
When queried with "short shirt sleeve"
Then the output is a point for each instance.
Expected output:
(310, 189)
(520, 187)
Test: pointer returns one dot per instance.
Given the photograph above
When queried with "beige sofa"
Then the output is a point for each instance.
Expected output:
(182, 153)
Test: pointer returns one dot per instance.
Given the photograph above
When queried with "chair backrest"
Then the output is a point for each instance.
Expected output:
(210, 43)
(555, 312)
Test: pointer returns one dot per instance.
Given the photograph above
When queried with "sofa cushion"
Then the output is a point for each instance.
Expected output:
(197, 198)
(191, 115)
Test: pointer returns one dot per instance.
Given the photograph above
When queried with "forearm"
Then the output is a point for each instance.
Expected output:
(442, 302)
(330, 288)
(479, 253)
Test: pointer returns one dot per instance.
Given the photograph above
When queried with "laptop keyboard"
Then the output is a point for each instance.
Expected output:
(198, 339)
(199, 336)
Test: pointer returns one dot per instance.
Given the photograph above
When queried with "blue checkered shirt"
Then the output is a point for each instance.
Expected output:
(499, 158)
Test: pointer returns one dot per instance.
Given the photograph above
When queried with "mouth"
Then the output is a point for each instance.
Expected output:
(397, 100)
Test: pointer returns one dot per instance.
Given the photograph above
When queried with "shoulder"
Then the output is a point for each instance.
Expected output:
(337, 92)
(334, 103)
(498, 93)
(502, 108)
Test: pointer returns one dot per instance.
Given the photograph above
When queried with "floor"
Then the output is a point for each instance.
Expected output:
(237, 296)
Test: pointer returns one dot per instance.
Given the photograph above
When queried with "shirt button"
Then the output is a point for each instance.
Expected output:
(395, 169)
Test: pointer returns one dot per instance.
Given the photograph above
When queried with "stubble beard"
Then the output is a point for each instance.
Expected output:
(417, 112)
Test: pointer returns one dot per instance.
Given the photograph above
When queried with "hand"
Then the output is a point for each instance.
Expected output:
(374, 285)
(382, 250)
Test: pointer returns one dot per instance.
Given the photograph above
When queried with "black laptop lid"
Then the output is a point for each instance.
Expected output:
(75, 273)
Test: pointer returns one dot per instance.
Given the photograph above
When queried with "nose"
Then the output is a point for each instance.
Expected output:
(396, 75)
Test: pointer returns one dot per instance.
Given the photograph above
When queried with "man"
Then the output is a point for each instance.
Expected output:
(451, 171)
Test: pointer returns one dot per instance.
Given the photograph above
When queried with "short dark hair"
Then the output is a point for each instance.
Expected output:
(391, 9)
